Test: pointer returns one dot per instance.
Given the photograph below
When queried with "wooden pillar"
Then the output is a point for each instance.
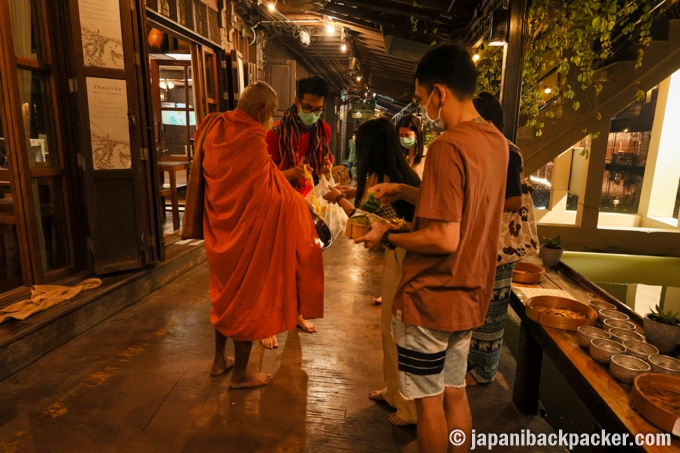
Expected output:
(513, 59)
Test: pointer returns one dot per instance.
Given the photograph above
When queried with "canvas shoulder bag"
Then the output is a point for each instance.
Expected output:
(519, 235)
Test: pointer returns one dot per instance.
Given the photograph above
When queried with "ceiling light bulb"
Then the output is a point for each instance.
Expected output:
(476, 57)
(330, 28)
(163, 85)
(547, 90)
(358, 78)
(343, 47)
(170, 85)
(271, 6)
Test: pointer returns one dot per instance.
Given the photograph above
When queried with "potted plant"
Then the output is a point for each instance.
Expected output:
(551, 251)
(662, 329)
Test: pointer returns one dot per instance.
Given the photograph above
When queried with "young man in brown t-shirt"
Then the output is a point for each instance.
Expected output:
(449, 268)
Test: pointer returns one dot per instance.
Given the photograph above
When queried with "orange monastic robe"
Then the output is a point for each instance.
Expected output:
(263, 251)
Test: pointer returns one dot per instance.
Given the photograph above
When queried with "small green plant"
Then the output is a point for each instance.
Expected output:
(665, 317)
(552, 243)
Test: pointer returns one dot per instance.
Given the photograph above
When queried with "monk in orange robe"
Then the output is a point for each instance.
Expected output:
(263, 252)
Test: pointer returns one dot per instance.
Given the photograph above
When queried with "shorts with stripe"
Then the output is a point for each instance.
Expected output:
(429, 360)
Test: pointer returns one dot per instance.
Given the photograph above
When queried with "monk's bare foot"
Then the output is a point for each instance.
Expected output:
(221, 366)
(306, 325)
(251, 380)
(376, 395)
(270, 342)
(377, 300)
(396, 421)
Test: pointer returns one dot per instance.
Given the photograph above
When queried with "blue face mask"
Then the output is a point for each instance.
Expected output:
(407, 142)
(308, 119)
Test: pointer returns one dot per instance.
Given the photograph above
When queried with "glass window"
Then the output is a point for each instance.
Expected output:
(210, 85)
(35, 112)
(10, 259)
(25, 28)
(624, 169)
(177, 109)
(51, 210)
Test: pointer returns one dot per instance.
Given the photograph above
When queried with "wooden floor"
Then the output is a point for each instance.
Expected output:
(140, 381)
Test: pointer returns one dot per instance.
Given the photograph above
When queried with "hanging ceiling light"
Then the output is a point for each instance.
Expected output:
(305, 38)
(498, 35)
(271, 6)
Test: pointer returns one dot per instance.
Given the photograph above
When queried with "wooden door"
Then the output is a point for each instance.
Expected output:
(280, 74)
(114, 138)
(37, 214)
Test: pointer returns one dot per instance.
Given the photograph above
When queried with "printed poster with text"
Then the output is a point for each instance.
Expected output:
(101, 33)
(109, 133)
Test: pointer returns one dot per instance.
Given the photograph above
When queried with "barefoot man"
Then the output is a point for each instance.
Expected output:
(263, 251)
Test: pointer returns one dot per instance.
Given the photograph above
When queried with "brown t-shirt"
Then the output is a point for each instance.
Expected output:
(463, 181)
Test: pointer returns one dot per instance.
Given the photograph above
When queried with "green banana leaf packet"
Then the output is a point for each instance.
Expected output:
(371, 204)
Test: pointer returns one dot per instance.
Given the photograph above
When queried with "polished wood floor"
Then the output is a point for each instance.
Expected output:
(139, 381)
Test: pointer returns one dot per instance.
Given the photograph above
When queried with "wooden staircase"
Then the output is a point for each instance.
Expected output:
(621, 81)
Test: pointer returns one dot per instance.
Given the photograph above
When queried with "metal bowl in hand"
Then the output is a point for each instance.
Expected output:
(322, 229)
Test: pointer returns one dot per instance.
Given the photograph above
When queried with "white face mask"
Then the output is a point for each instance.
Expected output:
(436, 124)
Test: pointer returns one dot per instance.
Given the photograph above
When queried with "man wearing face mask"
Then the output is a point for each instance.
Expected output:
(263, 253)
(450, 263)
(301, 137)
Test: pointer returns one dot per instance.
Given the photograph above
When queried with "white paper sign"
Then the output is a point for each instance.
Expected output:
(109, 132)
(101, 33)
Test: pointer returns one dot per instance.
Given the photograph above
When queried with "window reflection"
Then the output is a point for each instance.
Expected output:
(10, 261)
(34, 103)
(10, 264)
(177, 109)
(25, 29)
(52, 222)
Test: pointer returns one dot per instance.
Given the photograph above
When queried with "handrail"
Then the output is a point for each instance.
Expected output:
(598, 64)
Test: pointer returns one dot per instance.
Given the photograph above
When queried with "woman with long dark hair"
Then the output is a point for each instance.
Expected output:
(412, 142)
(380, 159)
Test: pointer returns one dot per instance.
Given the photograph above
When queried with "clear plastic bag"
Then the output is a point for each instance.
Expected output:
(331, 213)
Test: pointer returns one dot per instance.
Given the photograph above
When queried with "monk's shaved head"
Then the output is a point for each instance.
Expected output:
(259, 100)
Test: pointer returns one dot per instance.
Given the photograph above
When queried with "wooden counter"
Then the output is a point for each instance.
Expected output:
(607, 398)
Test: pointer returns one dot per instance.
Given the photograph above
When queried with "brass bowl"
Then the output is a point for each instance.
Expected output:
(652, 395)
(625, 367)
(602, 349)
(586, 333)
(608, 313)
(527, 273)
(624, 334)
(559, 312)
(640, 349)
(610, 323)
(664, 364)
